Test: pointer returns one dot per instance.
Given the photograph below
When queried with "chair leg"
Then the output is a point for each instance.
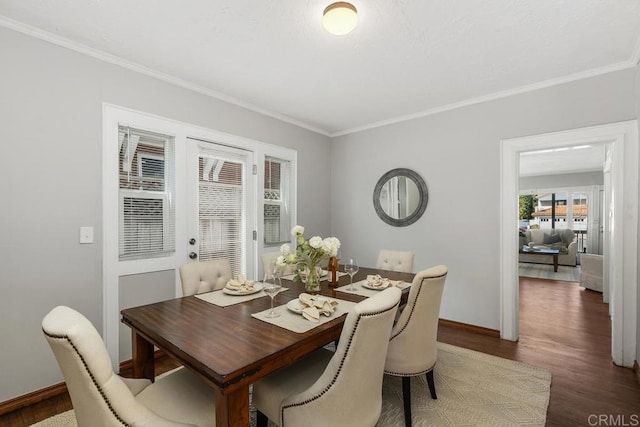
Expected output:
(406, 398)
(261, 419)
(432, 385)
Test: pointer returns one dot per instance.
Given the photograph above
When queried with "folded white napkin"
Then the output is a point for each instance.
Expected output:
(376, 281)
(316, 305)
(241, 284)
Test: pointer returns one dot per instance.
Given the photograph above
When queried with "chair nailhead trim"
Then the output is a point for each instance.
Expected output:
(414, 305)
(84, 363)
(404, 374)
(335, 377)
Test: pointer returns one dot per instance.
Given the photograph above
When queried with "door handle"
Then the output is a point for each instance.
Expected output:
(193, 255)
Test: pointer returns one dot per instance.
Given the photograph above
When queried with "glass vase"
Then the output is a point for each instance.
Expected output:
(312, 281)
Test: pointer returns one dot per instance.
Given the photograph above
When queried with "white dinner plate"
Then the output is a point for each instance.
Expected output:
(366, 284)
(257, 287)
(296, 306)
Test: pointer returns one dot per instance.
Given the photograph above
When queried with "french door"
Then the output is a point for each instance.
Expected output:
(175, 193)
(220, 200)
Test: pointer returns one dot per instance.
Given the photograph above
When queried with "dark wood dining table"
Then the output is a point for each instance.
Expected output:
(227, 347)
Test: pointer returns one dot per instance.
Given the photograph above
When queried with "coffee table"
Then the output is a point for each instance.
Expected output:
(542, 251)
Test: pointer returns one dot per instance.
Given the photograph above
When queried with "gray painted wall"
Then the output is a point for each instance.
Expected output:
(458, 155)
(140, 289)
(51, 168)
(582, 179)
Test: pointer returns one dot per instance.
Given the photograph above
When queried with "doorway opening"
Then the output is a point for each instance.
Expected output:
(620, 237)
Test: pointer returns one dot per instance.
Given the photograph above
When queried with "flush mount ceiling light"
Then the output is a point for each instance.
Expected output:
(340, 18)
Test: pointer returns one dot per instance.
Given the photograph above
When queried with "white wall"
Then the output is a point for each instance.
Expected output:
(458, 155)
(51, 134)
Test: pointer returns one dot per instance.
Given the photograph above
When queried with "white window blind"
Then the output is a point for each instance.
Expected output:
(222, 208)
(147, 214)
(277, 209)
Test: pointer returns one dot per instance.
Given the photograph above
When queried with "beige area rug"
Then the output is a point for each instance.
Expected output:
(474, 389)
(545, 271)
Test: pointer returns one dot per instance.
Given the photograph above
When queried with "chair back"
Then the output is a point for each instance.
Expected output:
(204, 276)
(268, 257)
(412, 347)
(349, 392)
(99, 396)
(395, 261)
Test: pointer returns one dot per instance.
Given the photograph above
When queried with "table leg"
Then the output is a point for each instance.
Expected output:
(555, 262)
(142, 357)
(232, 409)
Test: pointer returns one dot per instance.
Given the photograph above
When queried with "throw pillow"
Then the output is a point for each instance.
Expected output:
(551, 238)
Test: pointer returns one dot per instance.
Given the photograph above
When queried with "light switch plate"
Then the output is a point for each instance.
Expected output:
(86, 234)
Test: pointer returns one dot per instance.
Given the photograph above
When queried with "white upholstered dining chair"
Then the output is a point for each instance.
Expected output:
(335, 389)
(268, 257)
(412, 347)
(395, 261)
(102, 398)
(204, 276)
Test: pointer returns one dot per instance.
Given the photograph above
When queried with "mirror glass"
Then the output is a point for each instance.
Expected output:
(400, 197)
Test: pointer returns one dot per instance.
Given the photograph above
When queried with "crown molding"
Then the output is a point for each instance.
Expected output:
(493, 96)
(133, 66)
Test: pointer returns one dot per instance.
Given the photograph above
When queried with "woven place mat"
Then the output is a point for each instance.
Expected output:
(221, 299)
(365, 292)
(296, 323)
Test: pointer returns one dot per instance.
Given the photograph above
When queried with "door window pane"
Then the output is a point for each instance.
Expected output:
(581, 219)
(221, 193)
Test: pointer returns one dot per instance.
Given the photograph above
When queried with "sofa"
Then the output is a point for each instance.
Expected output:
(562, 239)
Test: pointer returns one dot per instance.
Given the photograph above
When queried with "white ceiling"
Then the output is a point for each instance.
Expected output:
(581, 158)
(406, 58)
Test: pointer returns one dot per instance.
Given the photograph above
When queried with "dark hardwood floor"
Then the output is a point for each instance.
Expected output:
(563, 328)
(566, 330)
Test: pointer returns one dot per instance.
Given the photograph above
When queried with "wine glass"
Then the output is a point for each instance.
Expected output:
(351, 268)
(271, 288)
(272, 270)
